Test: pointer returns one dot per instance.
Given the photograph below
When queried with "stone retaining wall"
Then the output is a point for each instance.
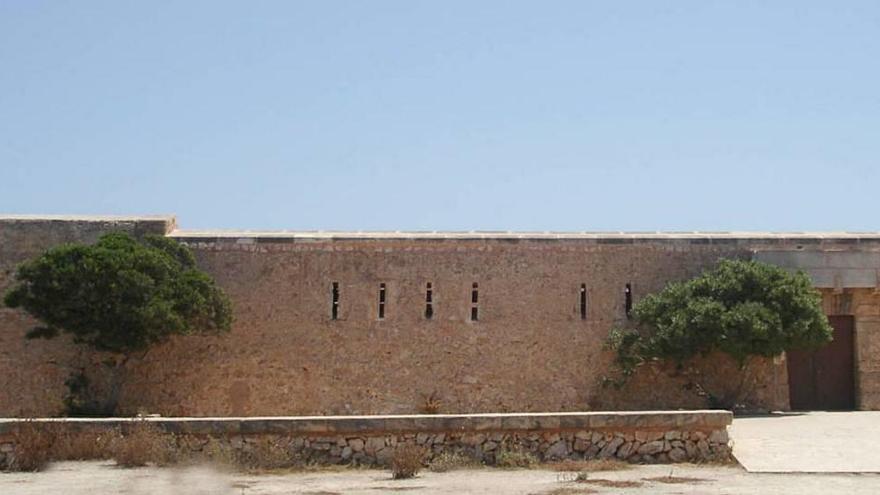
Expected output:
(645, 437)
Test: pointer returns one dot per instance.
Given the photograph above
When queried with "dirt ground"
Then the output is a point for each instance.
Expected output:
(99, 478)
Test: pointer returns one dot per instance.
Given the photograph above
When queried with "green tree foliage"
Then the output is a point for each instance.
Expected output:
(741, 308)
(119, 294)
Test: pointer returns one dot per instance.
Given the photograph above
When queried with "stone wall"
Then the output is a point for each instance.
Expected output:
(529, 317)
(33, 372)
(529, 350)
(647, 437)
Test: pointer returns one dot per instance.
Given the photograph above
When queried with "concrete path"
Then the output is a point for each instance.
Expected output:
(811, 442)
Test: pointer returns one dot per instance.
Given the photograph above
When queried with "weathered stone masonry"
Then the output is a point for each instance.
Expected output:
(529, 350)
(634, 437)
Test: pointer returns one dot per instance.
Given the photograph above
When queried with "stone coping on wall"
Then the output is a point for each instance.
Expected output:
(4, 217)
(607, 237)
(802, 239)
(158, 224)
(316, 425)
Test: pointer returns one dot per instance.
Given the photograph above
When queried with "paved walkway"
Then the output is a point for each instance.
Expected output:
(812, 442)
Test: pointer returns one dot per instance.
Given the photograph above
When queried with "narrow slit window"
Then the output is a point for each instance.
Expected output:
(334, 305)
(475, 312)
(381, 301)
(583, 296)
(429, 302)
(628, 300)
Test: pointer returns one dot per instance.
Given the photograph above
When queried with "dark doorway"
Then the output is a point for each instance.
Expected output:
(824, 379)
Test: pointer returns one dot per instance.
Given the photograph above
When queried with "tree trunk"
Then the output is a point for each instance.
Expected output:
(118, 374)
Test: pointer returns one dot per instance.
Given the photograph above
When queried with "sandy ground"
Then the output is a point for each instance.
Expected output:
(98, 478)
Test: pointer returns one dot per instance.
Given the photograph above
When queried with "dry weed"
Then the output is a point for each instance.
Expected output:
(33, 446)
(406, 461)
(515, 459)
(571, 491)
(217, 453)
(431, 404)
(675, 480)
(142, 443)
(265, 454)
(610, 483)
(589, 466)
(449, 461)
(82, 445)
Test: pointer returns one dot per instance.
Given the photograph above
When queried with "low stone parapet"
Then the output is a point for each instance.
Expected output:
(647, 437)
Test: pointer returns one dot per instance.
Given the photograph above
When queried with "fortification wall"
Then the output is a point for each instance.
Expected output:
(529, 350)
(32, 373)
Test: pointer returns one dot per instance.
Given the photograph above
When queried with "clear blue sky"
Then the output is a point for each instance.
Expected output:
(542, 115)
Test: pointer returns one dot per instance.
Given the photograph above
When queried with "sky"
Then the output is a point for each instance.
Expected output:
(445, 115)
